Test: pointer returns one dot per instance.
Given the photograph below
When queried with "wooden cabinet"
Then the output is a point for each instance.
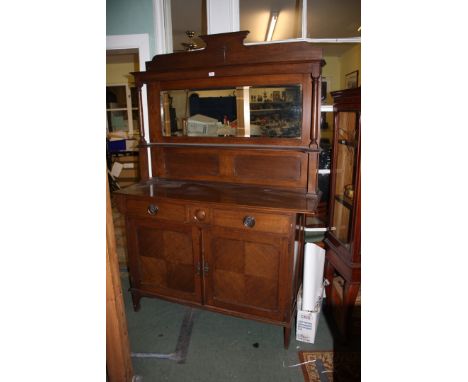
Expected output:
(245, 272)
(343, 242)
(233, 143)
(163, 256)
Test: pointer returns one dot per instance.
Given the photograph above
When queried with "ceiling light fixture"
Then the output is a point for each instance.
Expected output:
(192, 45)
(271, 26)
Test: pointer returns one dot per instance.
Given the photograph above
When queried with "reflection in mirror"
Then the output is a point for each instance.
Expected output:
(245, 111)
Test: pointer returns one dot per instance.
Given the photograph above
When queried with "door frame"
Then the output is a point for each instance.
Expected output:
(141, 43)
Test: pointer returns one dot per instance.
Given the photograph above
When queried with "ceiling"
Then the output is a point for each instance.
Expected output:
(334, 18)
(326, 19)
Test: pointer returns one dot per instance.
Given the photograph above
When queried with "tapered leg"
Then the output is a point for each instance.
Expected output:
(136, 301)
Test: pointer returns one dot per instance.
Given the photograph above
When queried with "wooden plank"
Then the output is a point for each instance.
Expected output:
(119, 366)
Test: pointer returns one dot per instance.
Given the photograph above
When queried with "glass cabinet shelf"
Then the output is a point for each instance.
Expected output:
(345, 174)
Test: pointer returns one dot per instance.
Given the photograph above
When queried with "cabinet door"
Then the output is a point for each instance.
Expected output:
(164, 258)
(345, 188)
(246, 272)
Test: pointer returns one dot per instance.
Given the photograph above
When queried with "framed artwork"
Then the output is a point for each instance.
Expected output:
(326, 87)
(351, 80)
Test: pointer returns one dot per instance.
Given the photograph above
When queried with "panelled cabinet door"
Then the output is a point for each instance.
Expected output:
(242, 272)
(164, 258)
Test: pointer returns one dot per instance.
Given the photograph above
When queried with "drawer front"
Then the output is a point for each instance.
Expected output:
(156, 209)
(252, 220)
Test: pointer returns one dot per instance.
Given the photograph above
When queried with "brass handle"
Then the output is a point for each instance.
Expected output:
(249, 221)
(153, 209)
(206, 268)
(200, 215)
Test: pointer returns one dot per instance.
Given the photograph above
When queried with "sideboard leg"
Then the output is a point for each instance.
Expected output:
(136, 301)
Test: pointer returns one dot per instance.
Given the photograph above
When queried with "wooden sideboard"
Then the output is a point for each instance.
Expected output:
(233, 142)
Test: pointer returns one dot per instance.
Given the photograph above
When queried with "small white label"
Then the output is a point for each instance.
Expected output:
(211, 74)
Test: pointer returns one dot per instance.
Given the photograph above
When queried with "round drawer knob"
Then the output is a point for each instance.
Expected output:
(249, 221)
(200, 215)
(153, 209)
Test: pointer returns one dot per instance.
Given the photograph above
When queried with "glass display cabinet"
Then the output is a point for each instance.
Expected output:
(233, 145)
(121, 109)
(343, 241)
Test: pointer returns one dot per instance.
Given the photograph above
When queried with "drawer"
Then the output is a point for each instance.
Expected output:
(252, 220)
(156, 209)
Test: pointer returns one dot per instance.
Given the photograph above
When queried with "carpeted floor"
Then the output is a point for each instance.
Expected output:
(222, 348)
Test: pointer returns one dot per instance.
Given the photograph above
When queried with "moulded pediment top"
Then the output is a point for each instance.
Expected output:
(228, 40)
(225, 49)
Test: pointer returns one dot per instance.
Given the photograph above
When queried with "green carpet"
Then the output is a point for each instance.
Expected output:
(222, 348)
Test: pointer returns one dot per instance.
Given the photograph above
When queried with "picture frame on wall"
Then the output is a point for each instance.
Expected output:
(351, 80)
(326, 88)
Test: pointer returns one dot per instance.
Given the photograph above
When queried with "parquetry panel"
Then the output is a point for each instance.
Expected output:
(177, 247)
(246, 273)
(150, 242)
(166, 259)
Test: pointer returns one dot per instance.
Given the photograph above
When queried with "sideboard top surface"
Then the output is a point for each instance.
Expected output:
(233, 195)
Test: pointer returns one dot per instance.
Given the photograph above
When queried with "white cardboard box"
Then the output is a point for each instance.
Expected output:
(307, 321)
